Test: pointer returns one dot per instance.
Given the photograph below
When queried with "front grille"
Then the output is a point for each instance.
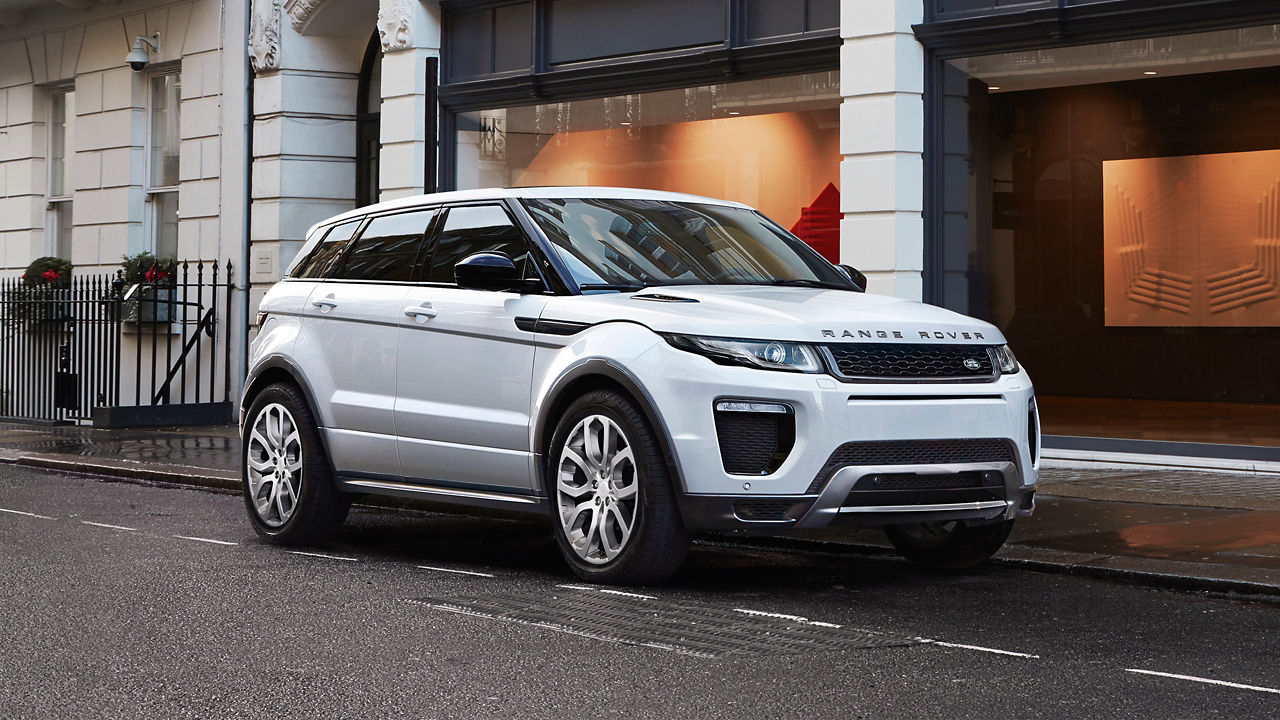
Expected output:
(753, 443)
(914, 452)
(891, 361)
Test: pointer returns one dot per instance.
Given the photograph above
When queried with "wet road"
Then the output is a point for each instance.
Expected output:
(123, 600)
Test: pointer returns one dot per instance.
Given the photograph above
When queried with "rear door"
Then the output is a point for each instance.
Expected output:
(349, 340)
(463, 388)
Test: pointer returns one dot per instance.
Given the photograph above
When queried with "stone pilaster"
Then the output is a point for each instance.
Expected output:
(882, 142)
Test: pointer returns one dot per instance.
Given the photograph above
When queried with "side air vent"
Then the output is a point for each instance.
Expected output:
(754, 438)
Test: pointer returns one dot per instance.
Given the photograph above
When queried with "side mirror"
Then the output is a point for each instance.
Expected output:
(855, 276)
(491, 271)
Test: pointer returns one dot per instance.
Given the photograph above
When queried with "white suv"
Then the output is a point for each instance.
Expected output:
(637, 365)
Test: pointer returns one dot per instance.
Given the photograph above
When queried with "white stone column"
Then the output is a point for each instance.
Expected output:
(304, 134)
(410, 33)
(882, 142)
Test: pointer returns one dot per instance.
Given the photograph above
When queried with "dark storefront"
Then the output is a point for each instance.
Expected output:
(1110, 198)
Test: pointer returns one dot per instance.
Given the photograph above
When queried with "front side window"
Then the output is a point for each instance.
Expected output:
(474, 229)
(62, 132)
(165, 119)
(388, 248)
(644, 243)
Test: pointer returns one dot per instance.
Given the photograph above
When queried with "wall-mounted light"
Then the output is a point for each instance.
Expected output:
(1149, 72)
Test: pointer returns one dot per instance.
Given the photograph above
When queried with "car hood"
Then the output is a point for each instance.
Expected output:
(775, 313)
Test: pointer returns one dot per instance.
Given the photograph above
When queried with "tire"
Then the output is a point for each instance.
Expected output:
(948, 545)
(285, 476)
(593, 493)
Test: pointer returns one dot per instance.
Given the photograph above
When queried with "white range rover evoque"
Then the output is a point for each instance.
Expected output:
(637, 365)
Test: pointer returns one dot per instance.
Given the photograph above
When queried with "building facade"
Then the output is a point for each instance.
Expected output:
(122, 131)
(1096, 178)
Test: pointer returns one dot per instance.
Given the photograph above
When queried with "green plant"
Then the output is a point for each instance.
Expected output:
(144, 267)
(48, 271)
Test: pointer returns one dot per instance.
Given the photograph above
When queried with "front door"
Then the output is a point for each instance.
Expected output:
(465, 369)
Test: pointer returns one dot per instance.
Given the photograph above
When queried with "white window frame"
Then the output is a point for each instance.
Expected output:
(66, 199)
(151, 224)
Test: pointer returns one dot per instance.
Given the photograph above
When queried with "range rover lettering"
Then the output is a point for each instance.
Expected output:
(640, 367)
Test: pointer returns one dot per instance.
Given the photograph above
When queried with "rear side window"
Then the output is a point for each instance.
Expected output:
(477, 228)
(388, 248)
(327, 255)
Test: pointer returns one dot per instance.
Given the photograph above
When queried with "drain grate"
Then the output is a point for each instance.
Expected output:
(698, 630)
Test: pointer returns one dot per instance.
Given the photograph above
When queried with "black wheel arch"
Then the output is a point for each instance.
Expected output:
(594, 374)
(278, 368)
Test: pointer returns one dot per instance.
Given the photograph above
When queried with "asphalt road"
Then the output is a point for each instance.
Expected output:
(125, 600)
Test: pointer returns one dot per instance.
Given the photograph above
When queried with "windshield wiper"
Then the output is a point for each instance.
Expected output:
(806, 282)
(611, 286)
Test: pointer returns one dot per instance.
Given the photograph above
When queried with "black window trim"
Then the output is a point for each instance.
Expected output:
(553, 282)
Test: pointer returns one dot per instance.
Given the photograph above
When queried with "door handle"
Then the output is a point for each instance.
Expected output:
(325, 303)
(421, 313)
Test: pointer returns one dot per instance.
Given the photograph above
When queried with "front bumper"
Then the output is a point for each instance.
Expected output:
(806, 490)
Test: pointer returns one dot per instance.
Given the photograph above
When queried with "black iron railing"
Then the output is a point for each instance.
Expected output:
(95, 344)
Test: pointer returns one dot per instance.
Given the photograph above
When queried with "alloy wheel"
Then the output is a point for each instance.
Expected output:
(274, 465)
(597, 489)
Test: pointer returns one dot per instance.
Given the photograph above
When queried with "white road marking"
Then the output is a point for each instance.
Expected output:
(979, 648)
(459, 572)
(627, 594)
(568, 630)
(205, 540)
(105, 525)
(19, 512)
(1193, 678)
(779, 616)
(792, 618)
(321, 555)
(576, 587)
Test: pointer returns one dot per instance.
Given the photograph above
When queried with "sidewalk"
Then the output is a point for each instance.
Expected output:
(1194, 530)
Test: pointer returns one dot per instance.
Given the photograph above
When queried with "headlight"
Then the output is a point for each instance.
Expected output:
(770, 355)
(1003, 357)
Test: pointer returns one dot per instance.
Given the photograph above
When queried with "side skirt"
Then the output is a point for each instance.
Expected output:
(471, 497)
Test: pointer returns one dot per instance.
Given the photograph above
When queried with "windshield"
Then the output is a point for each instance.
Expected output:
(616, 244)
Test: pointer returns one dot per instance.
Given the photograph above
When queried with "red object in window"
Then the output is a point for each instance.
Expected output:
(819, 224)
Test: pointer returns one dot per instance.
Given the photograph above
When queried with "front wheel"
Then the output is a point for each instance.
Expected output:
(613, 510)
(288, 487)
(948, 545)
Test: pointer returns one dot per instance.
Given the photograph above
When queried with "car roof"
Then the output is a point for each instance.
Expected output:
(618, 193)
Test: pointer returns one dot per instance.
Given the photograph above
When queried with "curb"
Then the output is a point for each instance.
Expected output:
(127, 469)
(209, 478)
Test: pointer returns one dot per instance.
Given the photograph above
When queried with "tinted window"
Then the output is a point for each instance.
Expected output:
(327, 255)
(478, 228)
(388, 248)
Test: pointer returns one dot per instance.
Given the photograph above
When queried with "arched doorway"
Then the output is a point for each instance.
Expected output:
(368, 123)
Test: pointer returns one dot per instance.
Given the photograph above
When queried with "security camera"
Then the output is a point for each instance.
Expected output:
(138, 57)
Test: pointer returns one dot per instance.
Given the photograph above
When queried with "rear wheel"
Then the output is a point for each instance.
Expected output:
(613, 510)
(288, 487)
(948, 545)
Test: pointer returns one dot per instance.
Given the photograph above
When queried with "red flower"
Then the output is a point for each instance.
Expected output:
(49, 275)
(155, 274)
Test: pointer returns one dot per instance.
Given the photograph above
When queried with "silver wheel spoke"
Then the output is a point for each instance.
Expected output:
(618, 459)
(581, 462)
(626, 492)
